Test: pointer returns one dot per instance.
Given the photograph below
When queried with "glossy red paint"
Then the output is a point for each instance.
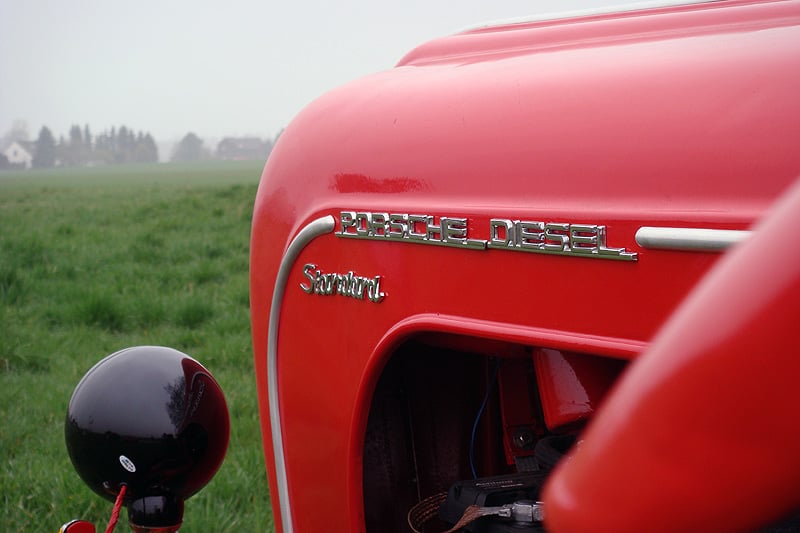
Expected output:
(519, 421)
(571, 386)
(77, 526)
(702, 429)
(680, 117)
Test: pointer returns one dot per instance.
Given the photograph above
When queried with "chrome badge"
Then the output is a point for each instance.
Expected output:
(350, 285)
(554, 238)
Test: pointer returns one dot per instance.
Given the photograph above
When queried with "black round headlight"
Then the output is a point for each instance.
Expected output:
(153, 419)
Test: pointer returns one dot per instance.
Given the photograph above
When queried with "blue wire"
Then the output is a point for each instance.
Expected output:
(489, 389)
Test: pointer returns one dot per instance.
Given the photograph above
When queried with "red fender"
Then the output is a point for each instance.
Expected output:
(702, 431)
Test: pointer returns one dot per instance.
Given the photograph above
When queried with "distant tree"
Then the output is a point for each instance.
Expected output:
(122, 145)
(62, 151)
(4, 164)
(112, 141)
(87, 136)
(75, 135)
(45, 149)
(146, 149)
(74, 154)
(102, 149)
(190, 149)
(88, 145)
(122, 153)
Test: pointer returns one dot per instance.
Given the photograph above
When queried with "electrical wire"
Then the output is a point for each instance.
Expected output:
(489, 388)
(117, 506)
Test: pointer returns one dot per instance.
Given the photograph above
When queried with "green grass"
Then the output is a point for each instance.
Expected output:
(96, 260)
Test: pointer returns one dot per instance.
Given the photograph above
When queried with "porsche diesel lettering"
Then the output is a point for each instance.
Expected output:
(426, 229)
(582, 240)
(555, 238)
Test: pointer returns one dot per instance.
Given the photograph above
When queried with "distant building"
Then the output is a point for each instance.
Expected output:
(20, 153)
(239, 148)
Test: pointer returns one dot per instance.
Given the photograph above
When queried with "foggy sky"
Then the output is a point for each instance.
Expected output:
(214, 68)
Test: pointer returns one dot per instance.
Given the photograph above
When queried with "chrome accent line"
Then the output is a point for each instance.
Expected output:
(314, 229)
(689, 239)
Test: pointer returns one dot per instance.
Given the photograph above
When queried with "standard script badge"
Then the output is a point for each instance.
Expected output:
(350, 285)
(555, 238)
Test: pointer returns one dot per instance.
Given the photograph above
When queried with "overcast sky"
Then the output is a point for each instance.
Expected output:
(211, 67)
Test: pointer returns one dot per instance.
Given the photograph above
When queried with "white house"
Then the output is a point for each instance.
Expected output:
(17, 154)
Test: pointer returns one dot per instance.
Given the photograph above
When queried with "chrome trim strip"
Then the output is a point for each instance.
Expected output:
(689, 239)
(314, 229)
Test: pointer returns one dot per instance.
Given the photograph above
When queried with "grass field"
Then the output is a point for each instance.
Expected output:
(96, 260)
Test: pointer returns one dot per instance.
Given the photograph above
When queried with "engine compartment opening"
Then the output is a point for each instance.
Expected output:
(449, 409)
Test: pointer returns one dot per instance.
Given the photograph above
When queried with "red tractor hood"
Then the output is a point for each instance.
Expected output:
(520, 183)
